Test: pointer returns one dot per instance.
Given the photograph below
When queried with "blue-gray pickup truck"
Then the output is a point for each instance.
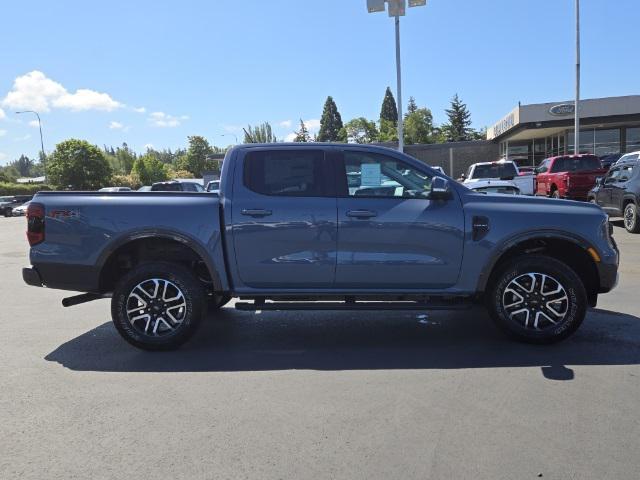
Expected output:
(322, 227)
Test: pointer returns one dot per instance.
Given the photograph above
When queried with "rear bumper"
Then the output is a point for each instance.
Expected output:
(31, 277)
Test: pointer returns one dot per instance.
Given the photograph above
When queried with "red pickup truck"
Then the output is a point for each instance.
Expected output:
(568, 176)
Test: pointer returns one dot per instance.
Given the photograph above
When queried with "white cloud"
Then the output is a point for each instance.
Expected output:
(161, 119)
(3, 133)
(115, 125)
(23, 138)
(232, 128)
(34, 123)
(290, 138)
(286, 123)
(35, 91)
(2, 114)
(139, 110)
(312, 124)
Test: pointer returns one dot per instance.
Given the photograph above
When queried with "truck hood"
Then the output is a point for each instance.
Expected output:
(530, 205)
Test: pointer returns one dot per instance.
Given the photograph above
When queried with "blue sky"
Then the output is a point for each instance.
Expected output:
(153, 72)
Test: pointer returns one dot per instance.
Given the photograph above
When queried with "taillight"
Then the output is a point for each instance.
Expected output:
(35, 223)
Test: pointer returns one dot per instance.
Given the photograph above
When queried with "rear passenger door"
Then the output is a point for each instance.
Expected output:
(619, 187)
(283, 215)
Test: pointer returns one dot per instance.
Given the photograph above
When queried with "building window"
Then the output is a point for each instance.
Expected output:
(607, 142)
(633, 139)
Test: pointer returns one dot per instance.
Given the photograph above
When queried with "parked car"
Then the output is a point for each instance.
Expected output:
(177, 186)
(628, 157)
(500, 170)
(285, 233)
(213, 186)
(618, 193)
(504, 187)
(7, 204)
(568, 176)
(115, 189)
(21, 210)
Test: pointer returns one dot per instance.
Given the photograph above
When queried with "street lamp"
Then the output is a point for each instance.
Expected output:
(396, 9)
(229, 135)
(44, 158)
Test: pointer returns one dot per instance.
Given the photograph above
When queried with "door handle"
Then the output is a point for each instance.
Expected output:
(361, 213)
(256, 212)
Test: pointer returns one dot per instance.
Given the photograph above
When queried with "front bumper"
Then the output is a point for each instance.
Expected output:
(608, 274)
(31, 277)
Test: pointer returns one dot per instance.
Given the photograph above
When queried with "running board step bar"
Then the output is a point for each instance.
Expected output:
(254, 306)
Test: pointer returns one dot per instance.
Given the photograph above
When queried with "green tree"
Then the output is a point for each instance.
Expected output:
(458, 128)
(149, 169)
(79, 164)
(361, 130)
(331, 127)
(388, 131)
(302, 135)
(389, 110)
(195, 160)
(411, 106)
(418, 126)
(24, 165)
(259, 134)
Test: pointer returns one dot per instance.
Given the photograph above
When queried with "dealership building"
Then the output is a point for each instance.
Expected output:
(531, 133)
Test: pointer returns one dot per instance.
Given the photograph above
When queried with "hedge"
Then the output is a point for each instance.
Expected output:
(21, 188)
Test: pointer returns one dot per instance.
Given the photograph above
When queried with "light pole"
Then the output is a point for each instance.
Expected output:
(396, 9)
(44, 158)
(229, 135)
(576, 138)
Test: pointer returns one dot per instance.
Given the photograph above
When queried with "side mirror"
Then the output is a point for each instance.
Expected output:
(463, 176)
(599, 181)
(440, 189)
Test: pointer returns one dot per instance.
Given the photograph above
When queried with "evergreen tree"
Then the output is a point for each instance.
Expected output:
(412, 107)
(331, 127)
(389, 110)
(302, 135)
(458, 128)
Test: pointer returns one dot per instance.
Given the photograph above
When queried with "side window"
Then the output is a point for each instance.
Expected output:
(375, 175)
(612, 176)
(543, 167)
(296, 173)
(625, 174)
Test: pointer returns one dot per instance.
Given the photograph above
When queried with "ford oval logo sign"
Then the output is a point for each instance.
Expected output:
(562, 109)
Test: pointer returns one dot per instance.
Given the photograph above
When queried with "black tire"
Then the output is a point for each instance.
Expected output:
(182, 314)
(216, 302)
(556, 194)
(520, 325)
(8, 212)
(631, 220)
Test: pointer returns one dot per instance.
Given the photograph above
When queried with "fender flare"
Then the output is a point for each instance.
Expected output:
(514, 240)
(167, 234)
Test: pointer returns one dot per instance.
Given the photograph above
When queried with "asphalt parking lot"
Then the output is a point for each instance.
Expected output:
(315, 395)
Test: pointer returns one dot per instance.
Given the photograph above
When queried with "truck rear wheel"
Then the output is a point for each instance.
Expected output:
(158, 306)
(537, 299)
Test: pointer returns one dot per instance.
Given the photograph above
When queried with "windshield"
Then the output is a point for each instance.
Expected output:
(495, 170)
(576, 164)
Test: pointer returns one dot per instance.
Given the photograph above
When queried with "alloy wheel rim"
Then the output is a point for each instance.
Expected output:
(156, 307)
(535, 301)
(628, 217)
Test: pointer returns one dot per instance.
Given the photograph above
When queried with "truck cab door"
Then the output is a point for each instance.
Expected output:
(604, 197)
(618, 189)
(390, 234)
(283, 219)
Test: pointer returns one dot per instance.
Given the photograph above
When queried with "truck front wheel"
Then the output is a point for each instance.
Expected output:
(158, 306)
(537, 299)
(631, 220)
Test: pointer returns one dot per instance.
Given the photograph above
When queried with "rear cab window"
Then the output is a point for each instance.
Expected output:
(288, 172)
(495, 170)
